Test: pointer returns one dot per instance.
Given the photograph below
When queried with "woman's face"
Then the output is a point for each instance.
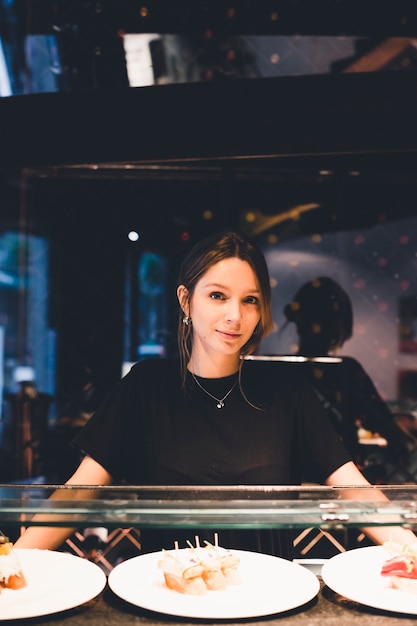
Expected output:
(224, 308)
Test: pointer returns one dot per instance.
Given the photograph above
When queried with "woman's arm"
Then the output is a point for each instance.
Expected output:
(89, 472)
(347, 475)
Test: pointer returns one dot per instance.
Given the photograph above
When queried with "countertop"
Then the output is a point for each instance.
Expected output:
(327, 609)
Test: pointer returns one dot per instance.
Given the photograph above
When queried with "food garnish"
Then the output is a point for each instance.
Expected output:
(196, 570)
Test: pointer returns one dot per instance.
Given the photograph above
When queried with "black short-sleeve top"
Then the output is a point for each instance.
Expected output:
(153, 430)
(271, 431)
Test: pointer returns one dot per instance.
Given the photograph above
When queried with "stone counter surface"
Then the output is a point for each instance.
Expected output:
(328, 609)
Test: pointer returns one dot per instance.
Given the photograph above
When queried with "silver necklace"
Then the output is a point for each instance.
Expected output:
(220, 401)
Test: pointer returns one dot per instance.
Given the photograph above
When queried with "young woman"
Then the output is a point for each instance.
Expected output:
(210, 417)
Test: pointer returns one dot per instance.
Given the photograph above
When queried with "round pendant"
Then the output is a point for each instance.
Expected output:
(220, 405)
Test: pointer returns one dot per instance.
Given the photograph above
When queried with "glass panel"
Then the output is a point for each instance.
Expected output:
(65, 225)
(211, 507)
(49, 47)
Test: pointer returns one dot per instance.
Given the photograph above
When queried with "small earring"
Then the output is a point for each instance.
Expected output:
(186, 320)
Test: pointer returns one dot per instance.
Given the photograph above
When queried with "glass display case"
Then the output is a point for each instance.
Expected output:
(346, 587)
(210, 507)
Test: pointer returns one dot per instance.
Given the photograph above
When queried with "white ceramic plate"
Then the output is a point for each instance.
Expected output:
(269, 585)
(355, 574)
(56, 581)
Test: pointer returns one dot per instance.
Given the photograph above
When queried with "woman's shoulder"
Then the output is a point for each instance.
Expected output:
(354, 367)
(154, 365)
(149, 378)
(274, 377)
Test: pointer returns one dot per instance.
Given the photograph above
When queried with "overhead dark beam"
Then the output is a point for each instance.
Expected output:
(287, 116)
(372, 18)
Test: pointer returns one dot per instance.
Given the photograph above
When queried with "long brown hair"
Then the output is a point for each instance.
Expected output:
(205, 254)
